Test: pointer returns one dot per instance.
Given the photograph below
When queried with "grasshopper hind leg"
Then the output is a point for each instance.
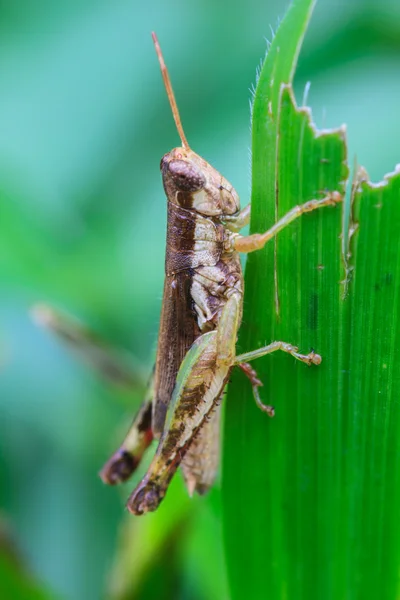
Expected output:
(199, 386)
(125, 460)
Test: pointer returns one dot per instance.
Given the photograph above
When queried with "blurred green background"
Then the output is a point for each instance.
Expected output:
(84, 121)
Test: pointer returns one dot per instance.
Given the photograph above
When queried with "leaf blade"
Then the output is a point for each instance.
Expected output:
(311, 498)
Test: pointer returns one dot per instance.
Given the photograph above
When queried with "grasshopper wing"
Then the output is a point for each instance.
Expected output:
(201, 461)
(178, 331)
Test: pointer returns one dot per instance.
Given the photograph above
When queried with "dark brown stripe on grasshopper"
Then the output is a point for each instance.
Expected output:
(192, 240)
(178, 330)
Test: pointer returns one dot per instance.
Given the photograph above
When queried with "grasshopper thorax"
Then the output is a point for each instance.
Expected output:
(192, 183)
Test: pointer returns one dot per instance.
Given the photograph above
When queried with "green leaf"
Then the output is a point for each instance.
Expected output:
(369, 410)
(311, 497)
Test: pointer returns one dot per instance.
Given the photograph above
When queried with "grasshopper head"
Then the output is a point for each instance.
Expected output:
(191, 182)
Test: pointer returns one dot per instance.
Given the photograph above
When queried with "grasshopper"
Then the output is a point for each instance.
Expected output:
(200, 318)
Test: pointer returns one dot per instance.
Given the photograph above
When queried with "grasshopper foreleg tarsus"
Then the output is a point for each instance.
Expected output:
(256, 241)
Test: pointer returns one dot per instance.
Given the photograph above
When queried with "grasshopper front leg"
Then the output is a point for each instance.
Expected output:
(256, 241)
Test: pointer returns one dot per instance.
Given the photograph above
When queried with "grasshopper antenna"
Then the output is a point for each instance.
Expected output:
(170, 93)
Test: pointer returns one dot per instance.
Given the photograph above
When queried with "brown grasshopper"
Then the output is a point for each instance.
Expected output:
(200, 318)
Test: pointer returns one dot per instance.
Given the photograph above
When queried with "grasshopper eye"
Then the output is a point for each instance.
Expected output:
(186, 176)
